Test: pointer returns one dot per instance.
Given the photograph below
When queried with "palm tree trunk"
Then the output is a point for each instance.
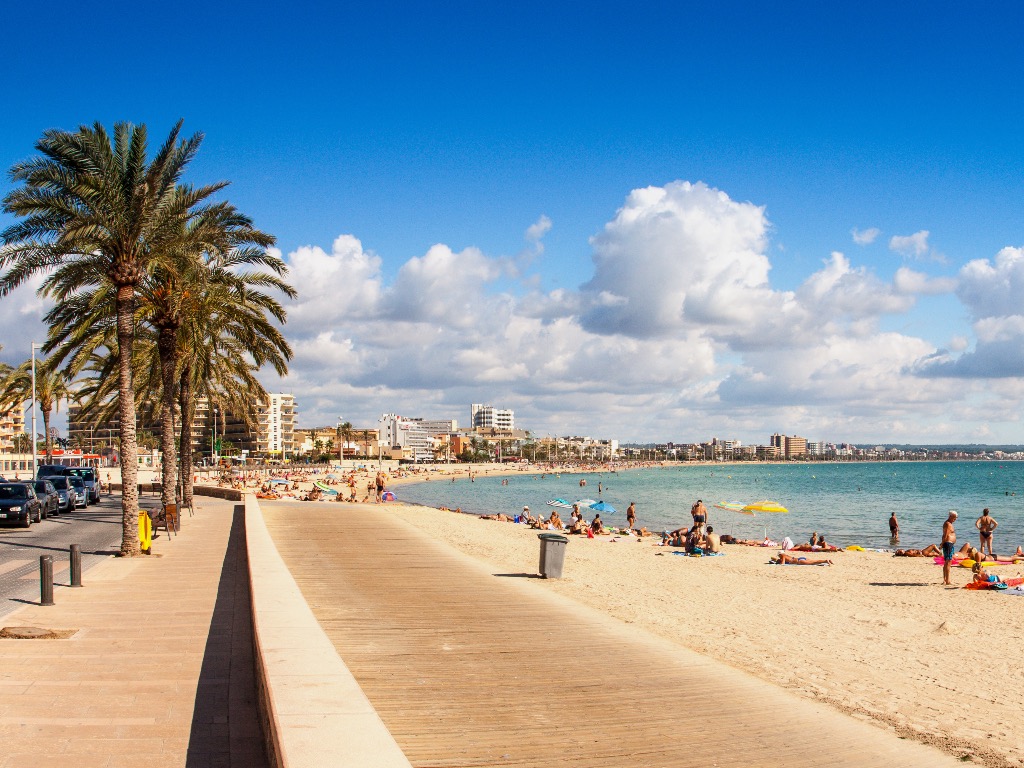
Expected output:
(167, 347)
(126, 412)
(187, 407)
(46, 430)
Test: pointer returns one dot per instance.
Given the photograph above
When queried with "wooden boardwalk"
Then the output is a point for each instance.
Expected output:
(471, 668)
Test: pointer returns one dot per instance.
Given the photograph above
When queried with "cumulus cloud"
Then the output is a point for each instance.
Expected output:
(991, 291)
(538, 229)
(679, 255)
(909, 282)
(866, 236)
(910, 245)
(677, 334)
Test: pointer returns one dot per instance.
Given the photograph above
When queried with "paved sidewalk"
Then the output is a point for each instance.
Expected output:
(160, 670)
(467, 667)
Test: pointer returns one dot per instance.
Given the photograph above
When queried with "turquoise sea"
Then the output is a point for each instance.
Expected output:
(850, 503)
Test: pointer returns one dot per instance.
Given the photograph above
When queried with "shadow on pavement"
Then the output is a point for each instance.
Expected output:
(225, 721)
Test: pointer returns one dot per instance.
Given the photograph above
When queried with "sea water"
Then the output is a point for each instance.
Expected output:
(849, 503)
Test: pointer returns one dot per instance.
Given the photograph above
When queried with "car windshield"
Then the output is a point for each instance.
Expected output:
(40, 487)
(77, 482)
(85, 473)
(13, 492)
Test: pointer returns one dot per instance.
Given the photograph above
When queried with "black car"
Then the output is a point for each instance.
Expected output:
(82, 497)
(52, 470)
(18, 504)
(65, 493)
(48, 497)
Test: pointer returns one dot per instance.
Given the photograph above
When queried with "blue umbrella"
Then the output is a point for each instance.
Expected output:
(603, 506)
(278, 481)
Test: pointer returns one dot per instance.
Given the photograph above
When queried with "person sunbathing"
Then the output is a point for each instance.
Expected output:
(983, 576)
(676, 538)
(784, 559)
(930, 551)
(498, 516)
(596, 526)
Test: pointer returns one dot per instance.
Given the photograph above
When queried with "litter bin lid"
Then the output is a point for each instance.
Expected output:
(552, 537)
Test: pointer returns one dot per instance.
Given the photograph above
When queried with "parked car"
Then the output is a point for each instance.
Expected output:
(65, 493)
(52, 470)
(47, 495)
(92, 482)
(81, 495)
(18, 503)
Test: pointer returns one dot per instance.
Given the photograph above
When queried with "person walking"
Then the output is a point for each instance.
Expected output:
(631, 515)
(948, 543)
(986, 525)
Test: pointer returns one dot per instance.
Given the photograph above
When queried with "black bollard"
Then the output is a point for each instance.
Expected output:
(45, 580)
(76, 565)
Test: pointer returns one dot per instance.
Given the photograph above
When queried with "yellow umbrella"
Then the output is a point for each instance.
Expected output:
(764, 506)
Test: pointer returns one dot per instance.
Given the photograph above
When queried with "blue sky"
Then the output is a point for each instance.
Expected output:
(479, 162)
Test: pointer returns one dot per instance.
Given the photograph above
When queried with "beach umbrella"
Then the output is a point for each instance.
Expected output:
(332, 476)
(764, 506)
(734, 506)
(388, 496)
(603, 506)
(278, 481)
(561, 503)
(587, 502)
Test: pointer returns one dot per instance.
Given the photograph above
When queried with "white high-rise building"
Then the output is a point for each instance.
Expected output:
(406, 435)
(489, 417)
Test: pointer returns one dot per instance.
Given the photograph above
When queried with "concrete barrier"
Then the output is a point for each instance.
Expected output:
(312, 710)
(213, 491)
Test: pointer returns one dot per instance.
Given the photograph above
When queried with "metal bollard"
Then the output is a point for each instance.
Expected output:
(45, 580)
(76, 565)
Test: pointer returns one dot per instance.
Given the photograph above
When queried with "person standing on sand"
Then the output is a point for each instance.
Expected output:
(986, 525)
(894, 529)
(631, 515)
(948, 542)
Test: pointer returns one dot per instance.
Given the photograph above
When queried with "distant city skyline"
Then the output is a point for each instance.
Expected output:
(642, 223)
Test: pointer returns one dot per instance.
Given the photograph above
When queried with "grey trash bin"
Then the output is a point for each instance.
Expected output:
(552, 554)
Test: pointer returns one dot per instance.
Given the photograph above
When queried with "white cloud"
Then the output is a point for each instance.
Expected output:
(909, 282)
(865, 237)
(538, 229)
(910, 245)
(677, 334)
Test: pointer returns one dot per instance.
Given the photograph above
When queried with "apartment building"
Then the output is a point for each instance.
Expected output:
(489, 417)
(12, 423)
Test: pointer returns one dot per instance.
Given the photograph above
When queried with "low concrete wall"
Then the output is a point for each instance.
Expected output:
(213, 491)
(313, 711)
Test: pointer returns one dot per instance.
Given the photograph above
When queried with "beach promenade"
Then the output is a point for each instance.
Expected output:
(471, 667)
(159, 670)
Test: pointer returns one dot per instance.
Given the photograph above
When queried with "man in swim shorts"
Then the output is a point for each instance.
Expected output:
(894, 528)
(948, 541)
(699, 513)
(986, 525)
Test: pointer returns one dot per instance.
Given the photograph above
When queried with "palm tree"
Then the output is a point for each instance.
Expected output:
(344, 435)
(95, 211)
(51, 388)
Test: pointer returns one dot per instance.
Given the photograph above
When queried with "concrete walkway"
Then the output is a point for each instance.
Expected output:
(467, 667)
(159, 671)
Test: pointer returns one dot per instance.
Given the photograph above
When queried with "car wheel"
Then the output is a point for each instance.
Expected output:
(28, 520)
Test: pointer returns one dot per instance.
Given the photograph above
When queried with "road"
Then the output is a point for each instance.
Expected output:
(96, 529)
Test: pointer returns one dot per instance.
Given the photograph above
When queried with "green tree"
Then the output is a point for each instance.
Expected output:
(344, 436)
(51, 388)
(94, 211)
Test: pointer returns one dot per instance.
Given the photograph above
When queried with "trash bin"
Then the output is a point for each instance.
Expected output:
(552, 554)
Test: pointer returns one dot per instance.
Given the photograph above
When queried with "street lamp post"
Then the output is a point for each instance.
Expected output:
(213, 445)
(35, 458)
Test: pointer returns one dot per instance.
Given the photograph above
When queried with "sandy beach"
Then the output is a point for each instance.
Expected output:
(874, 636)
